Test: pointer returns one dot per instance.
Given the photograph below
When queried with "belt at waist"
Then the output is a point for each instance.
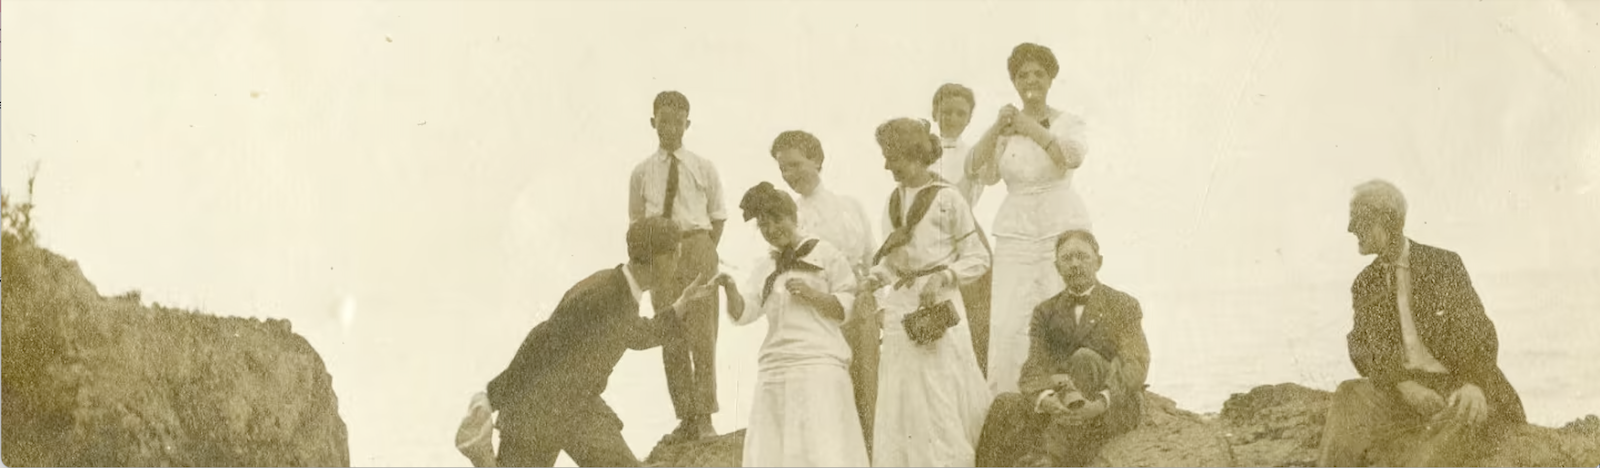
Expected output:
(1039, 188)
(696, 232)
(907, 278)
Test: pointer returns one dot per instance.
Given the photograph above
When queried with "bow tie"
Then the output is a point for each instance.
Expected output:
(1074, 300)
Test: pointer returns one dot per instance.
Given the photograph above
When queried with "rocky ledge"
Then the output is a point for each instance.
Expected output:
(104, 381)
(1272, 425)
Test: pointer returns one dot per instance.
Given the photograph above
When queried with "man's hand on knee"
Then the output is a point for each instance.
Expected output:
(1467, 404)
(1423, 399)
(1076, 410)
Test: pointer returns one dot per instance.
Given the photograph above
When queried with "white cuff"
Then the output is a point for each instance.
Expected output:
(1037, 402)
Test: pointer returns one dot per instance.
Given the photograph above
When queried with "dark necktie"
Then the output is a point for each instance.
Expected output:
(672, 186)
(1392, 277)
(789, 260)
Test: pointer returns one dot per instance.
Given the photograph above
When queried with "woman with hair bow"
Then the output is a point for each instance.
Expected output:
(804, 411)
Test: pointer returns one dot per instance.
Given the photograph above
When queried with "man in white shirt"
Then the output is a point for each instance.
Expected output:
(1431, 392)
(679, 185)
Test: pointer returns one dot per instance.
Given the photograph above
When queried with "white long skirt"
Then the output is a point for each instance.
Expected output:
(1024, 276)
(804, 415)
(931, 399)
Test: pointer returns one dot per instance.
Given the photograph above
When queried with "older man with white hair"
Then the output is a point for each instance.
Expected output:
(1431, 392)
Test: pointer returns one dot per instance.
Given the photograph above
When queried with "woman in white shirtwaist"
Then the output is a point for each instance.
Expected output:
(839, 221)
(804, 410)
(1035, 150)
(931, 395)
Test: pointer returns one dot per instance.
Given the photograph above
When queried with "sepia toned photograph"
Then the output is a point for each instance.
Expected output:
(959, 233)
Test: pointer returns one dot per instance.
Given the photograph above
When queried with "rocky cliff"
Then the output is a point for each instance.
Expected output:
(1273, 425)
(103, 381)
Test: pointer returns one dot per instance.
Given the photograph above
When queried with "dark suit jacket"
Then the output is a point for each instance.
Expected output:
(1450, 321)
(1111, 327)
(569, 357)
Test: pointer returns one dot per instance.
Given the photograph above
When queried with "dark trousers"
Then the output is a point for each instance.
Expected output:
(861, 333)
(1016, 435)
(976, 297)
(1370, 427)
(587, 430)
(691, 357)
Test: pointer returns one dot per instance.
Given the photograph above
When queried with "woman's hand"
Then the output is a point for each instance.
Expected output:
(871, 283)
(1005, 124)
(1030, 128)
(934, 287)
(800, 288)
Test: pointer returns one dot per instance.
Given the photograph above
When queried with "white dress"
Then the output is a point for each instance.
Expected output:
(804, 410)
(1040, 204)
(931, 399)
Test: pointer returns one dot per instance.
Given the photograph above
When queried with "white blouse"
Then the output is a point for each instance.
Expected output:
(838, 220)
(947, 235)
(797, 334)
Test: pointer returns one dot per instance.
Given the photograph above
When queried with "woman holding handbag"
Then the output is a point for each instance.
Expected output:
(932, 397)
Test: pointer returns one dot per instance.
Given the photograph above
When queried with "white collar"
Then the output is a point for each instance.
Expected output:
(679, 153)
(633, 284)
(932, 181)
(804, 237)
(818, 192)
(1403, 260)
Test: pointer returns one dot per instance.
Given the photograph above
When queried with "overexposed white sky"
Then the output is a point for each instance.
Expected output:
(445, 170)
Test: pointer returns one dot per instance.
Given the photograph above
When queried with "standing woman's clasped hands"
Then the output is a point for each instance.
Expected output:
(1013, 121)
(1003, 125)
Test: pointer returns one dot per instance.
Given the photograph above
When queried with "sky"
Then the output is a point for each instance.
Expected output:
(440, 172)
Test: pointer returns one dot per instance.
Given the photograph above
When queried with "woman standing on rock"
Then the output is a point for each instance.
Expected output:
(1035, 150)
(804, 411)
(931, 394)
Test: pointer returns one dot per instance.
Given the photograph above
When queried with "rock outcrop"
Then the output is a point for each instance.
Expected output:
(725, 450)
(103, 381)
(1272, 425)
